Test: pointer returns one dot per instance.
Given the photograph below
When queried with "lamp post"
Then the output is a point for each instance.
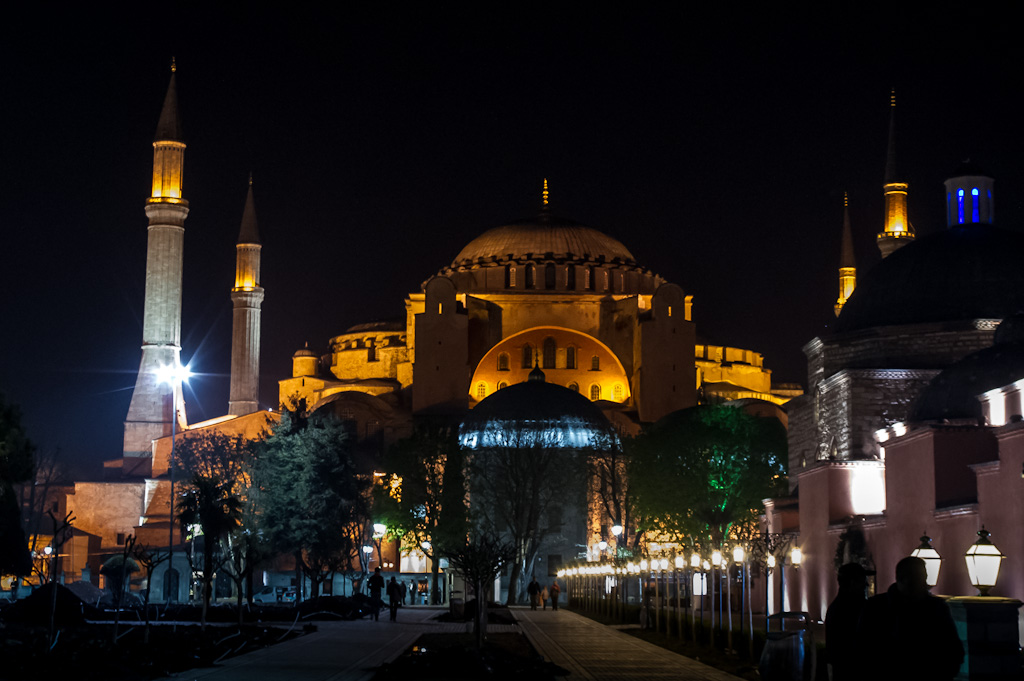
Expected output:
(173, 375)
(983, 559)
(932, 559)
(739, 556)
(769, 566)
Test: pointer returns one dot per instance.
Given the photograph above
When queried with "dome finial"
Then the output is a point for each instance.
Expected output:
(846, 199)
(892, 97)
(544, 194)
(250, 178)
(174, 66)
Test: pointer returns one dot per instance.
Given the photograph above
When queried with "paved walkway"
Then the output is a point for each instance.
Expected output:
(595, 652)
(340, 651)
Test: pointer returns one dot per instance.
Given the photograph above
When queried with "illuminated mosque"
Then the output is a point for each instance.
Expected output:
(911, 423)
(541, 294)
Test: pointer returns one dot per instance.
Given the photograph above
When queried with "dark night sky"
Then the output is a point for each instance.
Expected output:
(716, 147)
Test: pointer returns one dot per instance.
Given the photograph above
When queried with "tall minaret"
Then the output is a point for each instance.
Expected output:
(155, 403)
(898, 231)
(247, 296)
(847, 265)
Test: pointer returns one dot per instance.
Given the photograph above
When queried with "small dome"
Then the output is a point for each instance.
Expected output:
(961, 273)
(953, 394)
(537, 413)
(304, 352)
(536, 237)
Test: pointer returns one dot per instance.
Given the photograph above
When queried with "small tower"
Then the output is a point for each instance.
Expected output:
(847, 264)
(247, 297)
(898, 231)
(969, 197)
(155, 403)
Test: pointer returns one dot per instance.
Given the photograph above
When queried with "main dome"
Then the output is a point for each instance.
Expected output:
(961, 273)
(538, 236)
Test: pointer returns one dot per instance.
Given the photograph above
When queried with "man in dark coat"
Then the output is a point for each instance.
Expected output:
(394, 598)
(376, 586)
(906, 633)
(533, 590)
(841, 622)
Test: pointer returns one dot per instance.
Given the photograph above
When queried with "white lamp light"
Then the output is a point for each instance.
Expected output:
(983, 559)
(716, 557)
(932, 559)
(695, 561)
(739, 555)
(771, 561)
(616, 530)
(796, 556)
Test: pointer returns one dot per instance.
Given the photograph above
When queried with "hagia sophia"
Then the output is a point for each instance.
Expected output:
(889, 439)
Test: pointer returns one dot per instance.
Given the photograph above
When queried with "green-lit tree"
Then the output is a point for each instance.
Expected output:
(422, 497)
(216, 469)
(16, 466)
(313, 498)
(701, 472)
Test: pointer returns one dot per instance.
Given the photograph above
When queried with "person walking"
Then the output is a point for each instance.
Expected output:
(555, 591)
(533, 590)
(841, 620)
(394, 598)
(376, 587)
(401, 585)
(544, 597)
(906, 633)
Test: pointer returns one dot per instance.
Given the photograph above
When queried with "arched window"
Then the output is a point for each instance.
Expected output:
(617, 392)
(570, 357)
(595, 392)
(595, 363)
(570, 278)
(481, 390)
(549, 353)
(575, 387)
(975, 210)
(510, 276)
(503, 362)
(606, 283)
(590, 281)
(549, 276)
(960, 206)
(371, 351)
(502, 385)
(171, 585)
(531, 276)
(527, 356)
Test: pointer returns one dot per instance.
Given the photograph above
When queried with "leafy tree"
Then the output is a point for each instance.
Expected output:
(315, 502)
(16, 465)
(422, 499)
(522, 480)
(217, 472)
(612, 491)
(701, 473)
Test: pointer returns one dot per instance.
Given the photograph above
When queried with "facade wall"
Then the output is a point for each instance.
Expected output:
(106, 509)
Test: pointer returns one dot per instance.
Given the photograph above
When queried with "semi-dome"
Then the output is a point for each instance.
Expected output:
(961, 273)
(953, 394)
(538, 236)
(536, 413)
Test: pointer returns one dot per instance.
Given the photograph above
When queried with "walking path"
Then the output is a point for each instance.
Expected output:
(340, 651)
(595, 652)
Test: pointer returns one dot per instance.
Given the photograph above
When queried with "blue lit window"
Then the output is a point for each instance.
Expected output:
(960, 206)
(975, 214)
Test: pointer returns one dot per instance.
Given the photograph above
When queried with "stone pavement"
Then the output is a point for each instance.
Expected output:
(595, 652)
(339, 651)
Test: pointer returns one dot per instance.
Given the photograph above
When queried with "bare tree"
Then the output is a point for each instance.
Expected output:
(149, 558)
(479, 561)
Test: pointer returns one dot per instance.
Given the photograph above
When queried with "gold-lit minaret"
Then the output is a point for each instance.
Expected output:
(847, 264)
(247, 298)
(155, 402)
(898, 231)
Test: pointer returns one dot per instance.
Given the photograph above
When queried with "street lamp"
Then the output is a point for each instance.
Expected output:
(379, 530)
(932, 559)
(616, 530)
(796, 557)
(716, 558)
(173, 375)
(695, 560)
(602, 545)
(983, 559)
(739, 555)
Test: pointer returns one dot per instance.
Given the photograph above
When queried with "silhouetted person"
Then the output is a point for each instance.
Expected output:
(533, 590)
(376, 586)
(544, 597)
(841, 622)
(907, 633)
(401, 585)
(394, 598)
(555, 590)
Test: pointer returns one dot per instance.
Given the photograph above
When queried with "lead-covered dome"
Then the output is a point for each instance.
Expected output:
(539, 236)
(537, 413)
(962, 273)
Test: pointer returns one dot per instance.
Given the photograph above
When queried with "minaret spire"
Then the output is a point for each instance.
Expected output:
(897, 231)
(155, 405)
(847, 264)
(247, 298)
(544, 195)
